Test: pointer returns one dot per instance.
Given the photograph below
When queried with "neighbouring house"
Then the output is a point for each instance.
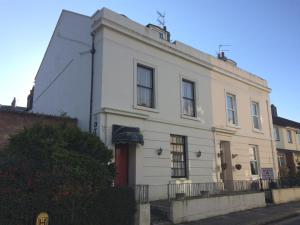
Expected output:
(14, 121)
(287, 137)
(12, 107)
(172, 113)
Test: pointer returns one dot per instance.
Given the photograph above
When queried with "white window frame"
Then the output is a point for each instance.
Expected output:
(280, 156)
(289, 136)
(298, 135)
(234, 109)
(196, 96)
(183, 79)
(177, 162)
(276, 134)
(256, 116)
(256, 160)
(155, 108)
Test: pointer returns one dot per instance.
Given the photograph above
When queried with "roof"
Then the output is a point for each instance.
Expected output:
(280, 121)
(31, 114)
(8, 108)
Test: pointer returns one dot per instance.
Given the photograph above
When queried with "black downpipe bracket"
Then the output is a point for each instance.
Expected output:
(93, 50)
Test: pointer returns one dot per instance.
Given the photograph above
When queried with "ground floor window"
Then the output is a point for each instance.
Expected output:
(253, 153)
(281, 160)
(178, 156)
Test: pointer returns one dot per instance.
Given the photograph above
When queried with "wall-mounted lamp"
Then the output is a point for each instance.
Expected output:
(159, 151)
(198, 154)
(234, 155)
(220, 154)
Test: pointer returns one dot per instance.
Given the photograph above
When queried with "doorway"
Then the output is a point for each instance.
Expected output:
(121, 163)
(226, 165)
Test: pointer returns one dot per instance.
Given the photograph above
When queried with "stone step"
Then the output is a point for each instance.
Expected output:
(160, 213)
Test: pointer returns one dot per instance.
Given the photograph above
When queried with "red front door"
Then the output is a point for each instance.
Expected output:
(121, 159)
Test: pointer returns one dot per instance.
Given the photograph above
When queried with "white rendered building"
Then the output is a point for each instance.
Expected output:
(171, 113)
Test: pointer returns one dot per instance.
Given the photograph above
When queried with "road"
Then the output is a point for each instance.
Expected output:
(290, 221)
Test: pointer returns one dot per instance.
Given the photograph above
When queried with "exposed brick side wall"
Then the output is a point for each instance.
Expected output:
(14, 122)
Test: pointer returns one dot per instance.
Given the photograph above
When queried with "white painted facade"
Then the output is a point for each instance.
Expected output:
(63, 85)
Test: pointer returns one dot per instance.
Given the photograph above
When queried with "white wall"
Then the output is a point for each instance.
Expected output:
(121, 55)
(142, 214)
(196, 209)
(285, 195)
(243, 134)
(127, 43)
(62, 83)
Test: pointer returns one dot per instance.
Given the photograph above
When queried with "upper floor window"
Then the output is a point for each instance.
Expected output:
(145, 86)
(178, 156)
(188, 98)
(253, 153)
(255, 115)
(276, 133)
(231, 109)
(289, 136)
(298, 134)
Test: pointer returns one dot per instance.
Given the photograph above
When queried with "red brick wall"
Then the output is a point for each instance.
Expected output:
(14, 122)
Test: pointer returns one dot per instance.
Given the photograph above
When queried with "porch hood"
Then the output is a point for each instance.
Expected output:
(126, 135)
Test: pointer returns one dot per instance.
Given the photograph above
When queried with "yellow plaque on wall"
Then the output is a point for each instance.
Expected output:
(42, 219)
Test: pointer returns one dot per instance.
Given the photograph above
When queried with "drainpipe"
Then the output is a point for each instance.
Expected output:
(92, 81)
(273, 145)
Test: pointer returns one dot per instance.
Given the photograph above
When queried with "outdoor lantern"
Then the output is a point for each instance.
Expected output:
(198, 154)
(159, 151)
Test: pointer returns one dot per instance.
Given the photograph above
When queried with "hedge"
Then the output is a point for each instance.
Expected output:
(110, 206)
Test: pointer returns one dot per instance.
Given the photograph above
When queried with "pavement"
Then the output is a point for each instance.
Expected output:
(272, 214)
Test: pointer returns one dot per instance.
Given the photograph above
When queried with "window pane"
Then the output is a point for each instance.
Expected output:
(231, 109)
(253, 160)
(144, 97)
(231, 116)
(289, 134)
(229, 102)
(178, 162)
(145, 86)
(188, 89)
(254, 109)
(145, 76)
(188, 100)
(256, 122)
(254, 168)
(252, 152)
(188, 107)
(277, 138)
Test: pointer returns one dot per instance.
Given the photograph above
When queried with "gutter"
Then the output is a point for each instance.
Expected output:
(92, 81)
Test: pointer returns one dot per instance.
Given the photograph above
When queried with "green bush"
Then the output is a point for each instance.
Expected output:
(64, 172)
(111, 206)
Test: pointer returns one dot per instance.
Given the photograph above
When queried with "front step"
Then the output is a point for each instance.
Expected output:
(160, 213)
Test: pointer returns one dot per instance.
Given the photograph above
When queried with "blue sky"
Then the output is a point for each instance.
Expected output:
(264, 38)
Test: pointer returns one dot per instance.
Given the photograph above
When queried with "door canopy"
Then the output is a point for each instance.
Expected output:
(126, 135)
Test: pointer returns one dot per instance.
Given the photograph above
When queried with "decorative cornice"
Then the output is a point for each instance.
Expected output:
(169, 47)
(124, 113)
(224, 130)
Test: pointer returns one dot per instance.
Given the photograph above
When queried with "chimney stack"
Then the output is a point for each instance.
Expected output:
(274, 111)
(221, 55)
(13, 103)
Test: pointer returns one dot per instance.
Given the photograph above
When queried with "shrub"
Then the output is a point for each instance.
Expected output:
(64, 172)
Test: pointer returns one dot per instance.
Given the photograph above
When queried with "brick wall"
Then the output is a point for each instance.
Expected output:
(14, 122)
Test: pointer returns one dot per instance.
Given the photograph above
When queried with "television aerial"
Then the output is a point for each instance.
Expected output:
(161, 18)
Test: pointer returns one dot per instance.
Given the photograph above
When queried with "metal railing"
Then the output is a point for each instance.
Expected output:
(146, 193)
(285, 182)
(141, 193)
(190, 190)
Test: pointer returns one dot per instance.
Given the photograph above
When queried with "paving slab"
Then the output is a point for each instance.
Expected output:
(258, 216)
